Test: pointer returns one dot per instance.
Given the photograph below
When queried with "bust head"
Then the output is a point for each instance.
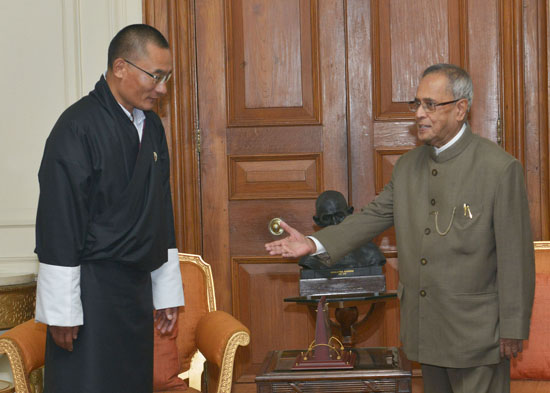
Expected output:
(331, 208)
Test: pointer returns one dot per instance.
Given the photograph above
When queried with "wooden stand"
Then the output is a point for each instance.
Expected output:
(322, 353)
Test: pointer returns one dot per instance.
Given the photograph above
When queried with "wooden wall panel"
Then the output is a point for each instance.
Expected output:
(274, 140)
(260, 286)
(272, 65)
(389, 134)
(213, 181)
(533, 144)
(360, 102)
(275, 176)
(410, 37)
(335, 143)
(402, 48)
(249, 238)
(179, 115)
(485, 110)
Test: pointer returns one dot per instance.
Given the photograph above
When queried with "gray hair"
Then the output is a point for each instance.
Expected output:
(460, 83)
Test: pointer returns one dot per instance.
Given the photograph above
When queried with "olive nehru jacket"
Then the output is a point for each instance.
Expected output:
(465, 250)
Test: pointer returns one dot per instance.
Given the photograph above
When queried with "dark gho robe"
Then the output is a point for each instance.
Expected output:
(104, 227)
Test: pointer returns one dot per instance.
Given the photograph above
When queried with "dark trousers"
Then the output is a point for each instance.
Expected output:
(494, 378)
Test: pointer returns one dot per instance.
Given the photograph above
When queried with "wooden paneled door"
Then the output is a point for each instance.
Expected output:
(294, 97)
(272, 104)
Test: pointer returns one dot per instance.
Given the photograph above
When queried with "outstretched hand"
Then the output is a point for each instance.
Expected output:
(293, 246)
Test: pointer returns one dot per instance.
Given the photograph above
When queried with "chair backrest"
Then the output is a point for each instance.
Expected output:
(533, 362)
(198, 287)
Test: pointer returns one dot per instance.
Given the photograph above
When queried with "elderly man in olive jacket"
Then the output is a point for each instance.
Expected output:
(466, 263)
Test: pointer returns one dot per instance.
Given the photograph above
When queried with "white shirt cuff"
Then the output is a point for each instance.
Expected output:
(167, 285)
(320, 248)
(58, 295)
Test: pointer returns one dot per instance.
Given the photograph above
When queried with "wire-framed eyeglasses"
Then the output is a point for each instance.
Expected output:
(156, 78)
(428, 106)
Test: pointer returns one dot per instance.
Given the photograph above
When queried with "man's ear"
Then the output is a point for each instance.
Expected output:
(462, 107)
(119, 67)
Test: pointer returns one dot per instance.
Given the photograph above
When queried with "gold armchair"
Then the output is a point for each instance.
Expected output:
(25, 346)
(204, 335)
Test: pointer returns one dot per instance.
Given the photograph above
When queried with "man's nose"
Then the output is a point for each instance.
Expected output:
(420, 112)
(161, 88)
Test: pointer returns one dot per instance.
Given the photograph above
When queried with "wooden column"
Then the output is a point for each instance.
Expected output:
(179, 113)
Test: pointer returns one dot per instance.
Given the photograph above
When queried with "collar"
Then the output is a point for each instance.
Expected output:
(439, 150)
(465, 137)
(137, 116)
(105, 97)
(102, 90)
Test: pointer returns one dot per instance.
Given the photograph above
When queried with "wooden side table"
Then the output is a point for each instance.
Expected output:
(346, 312)
(376, 370)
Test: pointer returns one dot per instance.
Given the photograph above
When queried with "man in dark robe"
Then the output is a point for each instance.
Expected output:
(105, 231)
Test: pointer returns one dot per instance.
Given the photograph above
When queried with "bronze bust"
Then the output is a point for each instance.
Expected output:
(331, 208)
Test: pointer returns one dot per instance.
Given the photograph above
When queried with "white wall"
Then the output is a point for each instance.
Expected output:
(53, 52)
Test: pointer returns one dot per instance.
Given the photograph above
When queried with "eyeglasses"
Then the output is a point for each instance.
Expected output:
(428, 106)
(156, 78)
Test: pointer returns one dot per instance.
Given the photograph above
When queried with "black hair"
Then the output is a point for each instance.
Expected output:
(131, 42)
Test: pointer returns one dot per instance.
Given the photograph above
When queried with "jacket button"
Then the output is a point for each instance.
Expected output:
(423, 293)
(434, 172)
(427, 231)
(423, 261)
(432, 202)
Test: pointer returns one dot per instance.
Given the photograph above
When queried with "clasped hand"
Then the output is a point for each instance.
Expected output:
(510, 347)
(293, 246)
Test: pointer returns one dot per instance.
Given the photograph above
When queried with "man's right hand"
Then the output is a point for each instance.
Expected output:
(294, 246)
(63, 336)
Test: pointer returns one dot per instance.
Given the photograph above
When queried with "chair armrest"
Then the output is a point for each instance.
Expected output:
(215, 331)
(25, 346)
(218, 336)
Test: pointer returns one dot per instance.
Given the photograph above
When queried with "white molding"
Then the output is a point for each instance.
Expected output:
(72, 57)
(22, 264)
(19, 259)
(17, 217)
(117, 16)
(122, 13)
(22, 223)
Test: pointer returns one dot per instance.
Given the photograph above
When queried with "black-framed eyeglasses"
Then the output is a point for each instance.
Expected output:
(156, 78)
(428, 106)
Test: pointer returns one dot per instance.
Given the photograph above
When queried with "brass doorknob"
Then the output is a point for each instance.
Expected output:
(275, 227)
